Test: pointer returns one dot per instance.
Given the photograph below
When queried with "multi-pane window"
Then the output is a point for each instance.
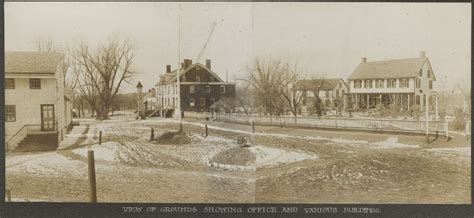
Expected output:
(191, 102)
(417, 100)
(368, 83)
(379, 83)
(222, 89)
(208, 89)
(431, 84)
(404, 83)
(391, 83)
(203, 102)
(357, 84)
(35, 83)
(191, 89)
(417, 82)
(9, 83)
(198, 79)
(10, 113)
(428, 74)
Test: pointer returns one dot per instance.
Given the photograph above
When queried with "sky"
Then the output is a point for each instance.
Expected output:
(323, 38)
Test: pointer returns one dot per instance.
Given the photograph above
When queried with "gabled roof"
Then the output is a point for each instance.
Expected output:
(400, 68)
(325, 84)
(171, 76)
(31, 62)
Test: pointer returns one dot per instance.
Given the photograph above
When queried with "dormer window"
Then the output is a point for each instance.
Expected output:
(357, 84)
(368, 83)
(429, 74)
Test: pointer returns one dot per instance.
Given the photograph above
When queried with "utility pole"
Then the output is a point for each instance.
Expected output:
(179, 65)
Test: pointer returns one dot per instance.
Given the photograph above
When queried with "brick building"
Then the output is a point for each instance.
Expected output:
(200, 88)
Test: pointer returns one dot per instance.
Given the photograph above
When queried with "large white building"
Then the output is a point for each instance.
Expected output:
(37, 109)
(402, 83)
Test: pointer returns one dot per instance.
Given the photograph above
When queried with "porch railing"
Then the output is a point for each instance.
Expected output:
(13, 141)
(386, 125)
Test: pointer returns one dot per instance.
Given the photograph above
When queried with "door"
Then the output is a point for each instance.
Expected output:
(47, 117)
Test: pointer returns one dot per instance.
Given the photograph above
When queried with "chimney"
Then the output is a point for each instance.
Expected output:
(168, 68)
(187, 63)
(363, 59)
(422, 54)
(208, 64)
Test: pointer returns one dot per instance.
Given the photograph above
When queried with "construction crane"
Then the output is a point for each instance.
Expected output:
(207, 42)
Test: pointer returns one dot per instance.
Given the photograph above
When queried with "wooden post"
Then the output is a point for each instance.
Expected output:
(206, 129)
(9, 195)
(180, 127)
(408, 104)
(446, 127)
(92, 182)
(152, 136)
(368, 101)
(100, 137)
(253, 126)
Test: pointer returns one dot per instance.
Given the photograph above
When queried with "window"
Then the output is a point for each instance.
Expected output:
(198, 79)
(404, 83)
(211, 79)
(417, 100)
(421, 73)
(417, 83)
(431, 84)
(10, 113)
(191, 102)
(208, 89)
(191, 89)
(391, 83)
(368, 83)
(203, 102)
(424, 99)
(379, 83)
(428, 74)
(175, 89)
(35, 83)
(9, 83)
(357, 84)
(213, 100)
(222, 89)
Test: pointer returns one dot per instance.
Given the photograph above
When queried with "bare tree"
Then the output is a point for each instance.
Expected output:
(273, 82)
(102, 71)
(47, 44)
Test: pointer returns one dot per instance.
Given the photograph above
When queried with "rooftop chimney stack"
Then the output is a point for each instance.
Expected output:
(208, 64)
(363, 59)
(422, 54)
(168, 68)
(187, 63)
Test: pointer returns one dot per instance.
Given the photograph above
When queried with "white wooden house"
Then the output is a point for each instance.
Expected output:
(400, 83)
(331, 92)
(37, 109)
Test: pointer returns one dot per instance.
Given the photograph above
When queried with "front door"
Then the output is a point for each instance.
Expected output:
(47, 117)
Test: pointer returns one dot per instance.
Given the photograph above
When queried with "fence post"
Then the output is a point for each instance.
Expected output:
(446, 127)
(206, 129)
(9, 195)
(253, 126)
(92, 182)
(152, 136)
(100, 137)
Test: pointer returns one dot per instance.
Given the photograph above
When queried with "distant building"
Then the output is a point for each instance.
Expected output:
(200, 88)
(402, 83)
(38, 109)
(150, 99)
(331, 92)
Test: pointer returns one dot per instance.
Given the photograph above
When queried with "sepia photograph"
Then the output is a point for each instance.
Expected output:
(245, 103)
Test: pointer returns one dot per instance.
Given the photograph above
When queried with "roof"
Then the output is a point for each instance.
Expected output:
(31, 62)
(171, 76)
(325, 84)
(400, 68)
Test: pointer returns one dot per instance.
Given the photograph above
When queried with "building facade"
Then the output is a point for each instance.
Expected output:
(331, 92)
(401, 84)
(37, 109)
(200, 88)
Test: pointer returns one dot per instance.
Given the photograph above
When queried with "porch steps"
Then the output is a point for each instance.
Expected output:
(38, 142)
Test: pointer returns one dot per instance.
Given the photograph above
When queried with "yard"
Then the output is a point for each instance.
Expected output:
(280, 165)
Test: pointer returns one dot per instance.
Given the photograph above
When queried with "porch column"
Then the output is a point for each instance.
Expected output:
(401, 102)
(408, 95)
(356, 101)
(436, 104)
(368, 101)
(380, 99)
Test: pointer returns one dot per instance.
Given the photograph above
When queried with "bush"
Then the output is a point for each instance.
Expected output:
(460, 118)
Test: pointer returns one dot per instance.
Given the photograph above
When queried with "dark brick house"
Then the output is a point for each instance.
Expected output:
(200, 88)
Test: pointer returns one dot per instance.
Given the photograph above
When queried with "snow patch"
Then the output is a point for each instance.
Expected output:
(392, 142)
(459, 150)
(267, 156)
(46, 164)
(105, 151)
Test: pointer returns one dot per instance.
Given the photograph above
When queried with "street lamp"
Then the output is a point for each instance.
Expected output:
(139, 103)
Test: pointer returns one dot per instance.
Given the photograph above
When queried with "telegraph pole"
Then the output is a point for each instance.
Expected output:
(178, 77)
